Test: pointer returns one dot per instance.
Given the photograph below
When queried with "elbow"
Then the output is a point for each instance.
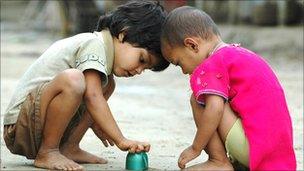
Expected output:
(215, 109)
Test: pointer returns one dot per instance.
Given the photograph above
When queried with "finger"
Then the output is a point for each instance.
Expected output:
(181, 164)
(132, 149)
(100, 135)
(111, 142)
(147, 147)
(144, 146)
(184, 161)
(180, 158)
(102, 139)
(139, 148)
(105, 143)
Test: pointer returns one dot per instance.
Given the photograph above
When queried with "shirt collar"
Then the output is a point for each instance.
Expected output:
(109, 48)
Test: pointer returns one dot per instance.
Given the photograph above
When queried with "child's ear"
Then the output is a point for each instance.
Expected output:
(191, 43)
(121, 36)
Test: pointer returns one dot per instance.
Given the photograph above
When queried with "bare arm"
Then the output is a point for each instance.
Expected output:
(96, 101)
(108, 90)
(98, 107)
(208, 122)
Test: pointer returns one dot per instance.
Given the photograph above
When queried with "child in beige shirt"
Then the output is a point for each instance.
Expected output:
(65, 91)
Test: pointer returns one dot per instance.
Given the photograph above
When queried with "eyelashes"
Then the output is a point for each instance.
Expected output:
(142, 60)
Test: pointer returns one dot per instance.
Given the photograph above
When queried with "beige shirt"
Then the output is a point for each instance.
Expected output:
(82, 51)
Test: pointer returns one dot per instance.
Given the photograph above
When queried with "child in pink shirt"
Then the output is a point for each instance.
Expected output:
(238, 104)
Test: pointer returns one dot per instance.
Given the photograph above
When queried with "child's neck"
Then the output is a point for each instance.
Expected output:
(208, 47)
(216, 47)
(213, 45)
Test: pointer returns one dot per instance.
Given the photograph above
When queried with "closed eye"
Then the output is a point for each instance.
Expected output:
(142, 60)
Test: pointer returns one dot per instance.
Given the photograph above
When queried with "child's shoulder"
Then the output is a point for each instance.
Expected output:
(234, 49)
(83, 37)
(227, 49)
(79, 40)
(232, 53)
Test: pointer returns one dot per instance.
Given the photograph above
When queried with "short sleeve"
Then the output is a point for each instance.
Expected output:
(91, 55)
(209, 78)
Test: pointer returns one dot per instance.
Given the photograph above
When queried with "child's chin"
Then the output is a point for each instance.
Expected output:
(118, 75)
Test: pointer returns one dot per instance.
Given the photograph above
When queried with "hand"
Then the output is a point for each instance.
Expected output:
(187, 155)
(106, 140)
(133, 146)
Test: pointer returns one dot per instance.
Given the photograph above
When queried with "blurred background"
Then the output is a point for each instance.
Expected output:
(75, 16)
(157, 111)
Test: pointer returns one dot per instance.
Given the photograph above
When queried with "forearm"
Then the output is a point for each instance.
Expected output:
(102, 116)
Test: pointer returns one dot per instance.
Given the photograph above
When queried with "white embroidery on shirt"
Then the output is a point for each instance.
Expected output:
(89, 57)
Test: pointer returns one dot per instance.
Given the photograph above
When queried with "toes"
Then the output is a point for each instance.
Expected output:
(59, 167)
(70, 166)
(79, 167)
(75, 166)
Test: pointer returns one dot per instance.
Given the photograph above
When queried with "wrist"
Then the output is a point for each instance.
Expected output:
(120, 141)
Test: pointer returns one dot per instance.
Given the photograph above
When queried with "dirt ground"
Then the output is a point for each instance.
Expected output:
(154, 107)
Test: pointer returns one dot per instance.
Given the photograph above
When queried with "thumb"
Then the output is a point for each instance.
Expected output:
(180, 162)
(183, 161)
(182, 166)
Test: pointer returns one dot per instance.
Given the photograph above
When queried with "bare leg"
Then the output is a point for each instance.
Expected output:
(218, 159)
(217, 156)
(71, 148)
(59, 101)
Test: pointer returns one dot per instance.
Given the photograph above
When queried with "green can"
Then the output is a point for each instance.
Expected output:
(137, 161)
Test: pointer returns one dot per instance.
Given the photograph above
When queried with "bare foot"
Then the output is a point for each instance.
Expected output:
(212, 165)
(81, 156)
(52, 159)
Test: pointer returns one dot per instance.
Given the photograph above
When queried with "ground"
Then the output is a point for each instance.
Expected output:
(155, 107)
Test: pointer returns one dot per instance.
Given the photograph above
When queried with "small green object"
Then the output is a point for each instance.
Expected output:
(137, 161)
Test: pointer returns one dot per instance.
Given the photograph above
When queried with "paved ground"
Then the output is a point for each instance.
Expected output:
(154, 107)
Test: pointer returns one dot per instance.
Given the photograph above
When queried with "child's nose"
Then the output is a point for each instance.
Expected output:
(139, 70)
(184, 71)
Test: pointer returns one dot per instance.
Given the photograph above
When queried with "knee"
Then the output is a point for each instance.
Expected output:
(74, 81)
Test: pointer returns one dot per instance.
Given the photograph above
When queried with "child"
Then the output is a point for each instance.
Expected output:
(257, 130)
(66, 90)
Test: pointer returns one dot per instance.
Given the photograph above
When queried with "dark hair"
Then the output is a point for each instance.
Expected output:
(187, 21)
(141, 22)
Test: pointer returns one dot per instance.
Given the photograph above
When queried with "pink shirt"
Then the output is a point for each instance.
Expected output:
(248, 83)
